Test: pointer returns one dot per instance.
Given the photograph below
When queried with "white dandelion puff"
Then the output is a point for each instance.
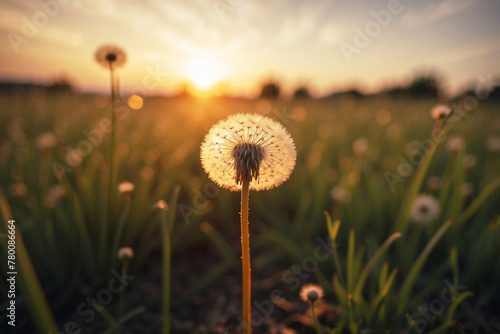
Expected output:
(425, 209)
(248, 146)
(311, 292)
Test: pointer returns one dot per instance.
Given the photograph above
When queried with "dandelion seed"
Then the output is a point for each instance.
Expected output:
(311, 292)
(248, 146)
(440, 111)
(455, 144)
(125, 254)
(493, 144)
(126, 187)
(110, 56)
(45, 141)
(425, 209)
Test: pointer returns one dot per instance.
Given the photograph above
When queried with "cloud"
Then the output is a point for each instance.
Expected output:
(294, 28)
(436, 12)
(328, 35)
(467, 51)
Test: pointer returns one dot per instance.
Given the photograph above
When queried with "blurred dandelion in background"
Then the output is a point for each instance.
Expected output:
(340, 195)
(311, 292)
(433, 183)
(440, 111)
(493, 144)
(110, 56)
(125, 254)
(126, 187)
(360, 146)
(469, 161)
(46, 141)
(455, 144)
(425, 209)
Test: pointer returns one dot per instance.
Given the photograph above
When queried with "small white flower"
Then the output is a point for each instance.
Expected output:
(425, 209)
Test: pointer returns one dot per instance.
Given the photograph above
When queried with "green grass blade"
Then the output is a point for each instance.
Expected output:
(27, 278)
(350, 262)
(417, 266)
(376, 257)
(333, 229)
(456, 302)
(474, 206)
(125, 318)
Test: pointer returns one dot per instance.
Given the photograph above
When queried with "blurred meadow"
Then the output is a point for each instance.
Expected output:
(153, 245)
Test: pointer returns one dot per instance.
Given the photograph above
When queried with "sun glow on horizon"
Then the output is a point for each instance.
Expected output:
(204, 74)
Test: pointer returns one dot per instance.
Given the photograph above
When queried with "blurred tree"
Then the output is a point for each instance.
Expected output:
(270, 90)
(424, 86)
(301, 93)
(60, 85)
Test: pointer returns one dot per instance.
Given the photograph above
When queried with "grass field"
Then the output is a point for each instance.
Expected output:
(359, 161)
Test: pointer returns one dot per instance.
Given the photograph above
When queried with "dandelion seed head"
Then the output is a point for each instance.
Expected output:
(161, 205)
(311, 292)
(110, 56)
(248, 146)
(425, 209)
(125, 254)
(126, 187)
(440, 111)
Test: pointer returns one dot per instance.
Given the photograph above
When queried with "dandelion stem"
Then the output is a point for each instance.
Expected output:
(119, 229)
(245, 254)
(315, 319)
(112, 142)
(166, 259)
(122, 296)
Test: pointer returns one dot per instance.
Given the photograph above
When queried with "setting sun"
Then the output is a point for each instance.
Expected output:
(204, 74)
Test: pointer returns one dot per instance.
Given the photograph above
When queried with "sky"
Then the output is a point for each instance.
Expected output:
(237, 45)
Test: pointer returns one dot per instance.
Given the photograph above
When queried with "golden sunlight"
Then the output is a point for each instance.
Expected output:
(204, 74)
